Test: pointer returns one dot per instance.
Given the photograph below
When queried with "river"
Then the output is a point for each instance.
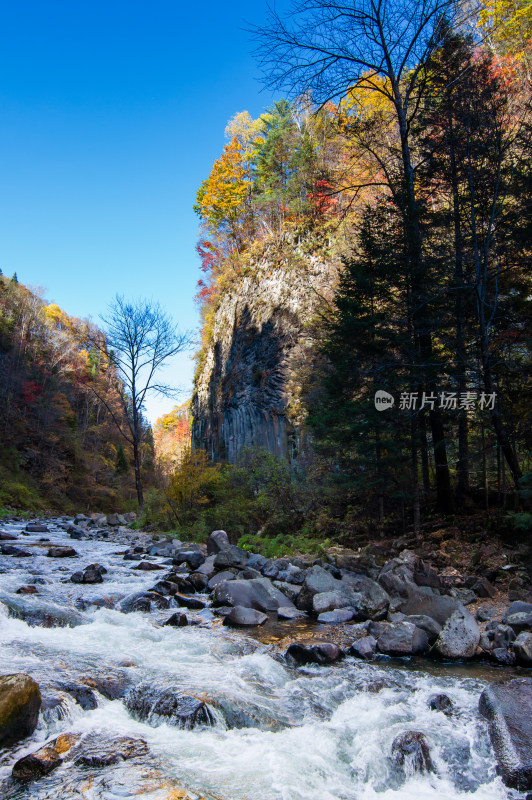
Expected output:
(311, 733)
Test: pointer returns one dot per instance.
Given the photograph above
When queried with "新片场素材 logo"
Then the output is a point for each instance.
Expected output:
(383, 400)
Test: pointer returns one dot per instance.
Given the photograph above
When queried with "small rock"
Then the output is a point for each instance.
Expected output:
(37, 764)
(242, 617)
(61, 552)
(190, 602)
(523, 649)
(148, 566)
(520, 621)
(440, 702)
(231, 556)
(177, 620)
(483, 588)
(485, 613)
(7, 537)
(194, 558)
(318, 653)
(27, 590)
(100, 751)
(410, 751)
(36, 527)
(289, 612)
(364, 647)
(337, 616)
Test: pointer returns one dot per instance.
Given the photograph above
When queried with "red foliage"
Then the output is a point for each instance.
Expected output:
(31, 391)
(324, 201)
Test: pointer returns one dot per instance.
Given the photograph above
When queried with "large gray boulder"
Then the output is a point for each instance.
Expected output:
(459, 637)
(318, 581)
(329, 601)
(523, 648)
(508, 708)
(373, 600)
(314, 652)
(517, 607)
(20, 703)
(153, 705)
(439, 607)
(257, 593)
(231, 556)
(401, 639)
(218, 540)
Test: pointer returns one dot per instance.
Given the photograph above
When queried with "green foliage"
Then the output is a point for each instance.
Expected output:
(278, 546)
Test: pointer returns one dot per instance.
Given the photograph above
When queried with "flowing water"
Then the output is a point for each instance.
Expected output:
(312, 733)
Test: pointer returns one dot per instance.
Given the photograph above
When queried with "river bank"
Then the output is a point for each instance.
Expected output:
(273, 727)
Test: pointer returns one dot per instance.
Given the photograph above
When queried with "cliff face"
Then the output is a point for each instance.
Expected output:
(247, 391)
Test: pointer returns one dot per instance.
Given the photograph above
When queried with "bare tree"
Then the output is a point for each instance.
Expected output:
(139, 338)
(329, 47)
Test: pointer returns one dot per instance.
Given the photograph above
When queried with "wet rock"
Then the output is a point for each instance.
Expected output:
(153, 705)
(440, 702)
(508, 709)
(459, 636)
(27, 590)
(427, 624)
(92, 574)
(241, 617)
(289, 612)
(314, 653)
(81, 518)
(20, 703)
(11, 550)
(194, 558)
(190, 602)
(439, 607)
(112, 685)
(7, 537)
(177, 620)
(36, 527)
(99, 750)
(523, 648)
(37, 764)
(173, 584)
(411, 753)
(231, 556)
(217, 541)
(365, 647)
(148, 566)
(83, 695)
(61, 551)
(38, 612)
(143, 601)
(401, 639)
(337, 616)
(199, 581)
(258, 593)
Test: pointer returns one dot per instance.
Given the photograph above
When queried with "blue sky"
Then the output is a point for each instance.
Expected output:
(111, 114)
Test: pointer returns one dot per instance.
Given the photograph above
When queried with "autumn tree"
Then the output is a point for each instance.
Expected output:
(140, 338)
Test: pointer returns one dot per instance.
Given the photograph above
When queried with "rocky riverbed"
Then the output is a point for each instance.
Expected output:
(164, 670)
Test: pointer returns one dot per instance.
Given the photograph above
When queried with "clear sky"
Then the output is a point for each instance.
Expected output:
(112, 113)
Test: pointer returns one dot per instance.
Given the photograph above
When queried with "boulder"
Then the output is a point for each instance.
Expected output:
(38, 612)
(154, 705)
(207, 568)
(401, 639)
(289, 612)
(241, 617)
(397, 575)
(463, 595)
(231, 556)
(328, 601)
(20, 703)
(258, 593)
(459, 636)
(116, 519)
(36, 527)
(523, 648)
(503, 636)
(439, 607)
(218, 540)
(503, 656)
(314, 653)
(410, 752)
(61, 551)
(36, 765)
(92, 574)
(485, 613)
(483, 588)
(520, 621)
(12, 550)
(364, 647)
(190, 602)
(98, 750)
(337, 616)
(508, 708)
(290, 590)
(7, 537)
(440, 702)
(177, 620)
(427, 624)
(143, 601)
(194, 558)
(199, 581)
(220, 577)
(319, 581)
(27, 590)
(373, 600)
(148, 566)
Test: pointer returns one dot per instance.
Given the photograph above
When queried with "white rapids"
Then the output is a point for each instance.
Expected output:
(313, 733)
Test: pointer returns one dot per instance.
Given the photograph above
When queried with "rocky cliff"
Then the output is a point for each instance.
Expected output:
(248, 387)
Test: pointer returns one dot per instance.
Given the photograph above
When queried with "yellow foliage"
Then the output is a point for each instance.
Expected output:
(223, 193)
(509, 23)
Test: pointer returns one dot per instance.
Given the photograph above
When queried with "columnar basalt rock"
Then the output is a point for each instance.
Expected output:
(246, 392)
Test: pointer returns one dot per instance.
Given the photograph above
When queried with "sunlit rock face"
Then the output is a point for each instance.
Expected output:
(249, 382)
